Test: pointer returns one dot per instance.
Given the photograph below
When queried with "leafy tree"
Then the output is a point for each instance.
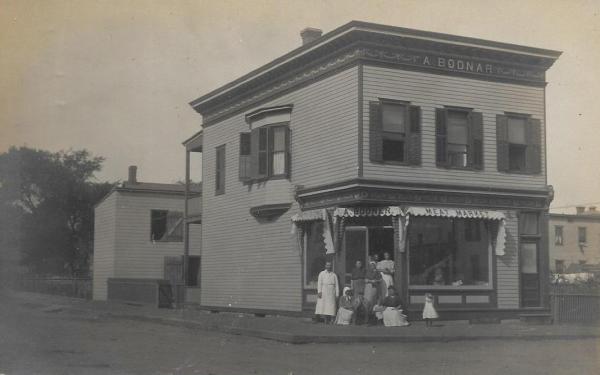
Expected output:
(54, 194)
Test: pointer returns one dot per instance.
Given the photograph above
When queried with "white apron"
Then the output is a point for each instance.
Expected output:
(328, 287)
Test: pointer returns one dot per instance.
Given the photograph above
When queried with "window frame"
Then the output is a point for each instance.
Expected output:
(580, 231)
(475, 148)
(525, 146)
(268, 152)
(562, 235)
(396, 136)
(220, 176)
(166, 237)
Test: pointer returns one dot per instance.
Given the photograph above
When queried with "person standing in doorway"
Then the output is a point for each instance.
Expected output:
(358, 279)
(386, 267)
(327, 293)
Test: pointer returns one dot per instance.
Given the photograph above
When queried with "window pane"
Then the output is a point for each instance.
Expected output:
(529, 258)
(439, 253)
(528, 223)
(314, 257)
(457, 155)
(516, 130)
(581, 234)
(457, 127)
(278, 163)
(393, 150)
(558, 235)
(159, 224)
(279, 139)
(393, 118)
(516, 157)
(174, 226)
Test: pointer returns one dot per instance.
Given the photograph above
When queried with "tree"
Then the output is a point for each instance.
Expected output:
(55, 194)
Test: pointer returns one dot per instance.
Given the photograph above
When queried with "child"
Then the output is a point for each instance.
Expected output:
(429, 312)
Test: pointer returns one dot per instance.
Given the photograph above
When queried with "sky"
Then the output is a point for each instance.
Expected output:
(116, 77)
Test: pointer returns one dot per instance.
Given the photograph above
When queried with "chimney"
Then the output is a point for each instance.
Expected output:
(592, 209)
(132, 174)
(309, 34)
(580, 209)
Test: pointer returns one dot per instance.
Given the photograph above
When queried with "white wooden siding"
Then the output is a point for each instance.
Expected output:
(430, 91)
(105, 226)
(507, 266)
(136, 256)
(255, 263)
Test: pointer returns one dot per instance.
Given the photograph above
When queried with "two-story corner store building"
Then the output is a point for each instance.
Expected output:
(374, 138)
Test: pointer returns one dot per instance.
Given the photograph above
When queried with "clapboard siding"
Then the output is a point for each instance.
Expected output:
(430, 91)
(507, 266)
(255, 263)
(136, 256)
(105, 226)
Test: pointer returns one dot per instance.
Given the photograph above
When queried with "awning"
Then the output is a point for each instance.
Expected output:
(310, 215)
(467, 213)
(368, 211)
(463, 213)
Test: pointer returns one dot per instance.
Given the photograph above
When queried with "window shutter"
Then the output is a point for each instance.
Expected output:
(375, 129)
(414, 136)
(288, 152)
(245, 171)
(534, 142)
(440, 137)
(476, 141)
(502, 142)
(254, 153)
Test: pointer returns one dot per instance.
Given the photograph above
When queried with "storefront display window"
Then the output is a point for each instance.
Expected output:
(314, 254)
(449, 253)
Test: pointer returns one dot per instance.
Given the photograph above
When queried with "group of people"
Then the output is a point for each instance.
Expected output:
(371, 297)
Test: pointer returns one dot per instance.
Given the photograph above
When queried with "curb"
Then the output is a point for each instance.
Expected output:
(295, 339)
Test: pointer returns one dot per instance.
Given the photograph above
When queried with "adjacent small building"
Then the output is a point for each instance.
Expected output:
(574, 241)
(373, 139)
(139, 237)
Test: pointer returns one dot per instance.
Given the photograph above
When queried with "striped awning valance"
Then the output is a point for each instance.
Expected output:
(462, 213)
(368, 211)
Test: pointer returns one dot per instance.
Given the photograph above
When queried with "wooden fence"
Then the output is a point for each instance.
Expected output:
(70, 287)
(575, 304)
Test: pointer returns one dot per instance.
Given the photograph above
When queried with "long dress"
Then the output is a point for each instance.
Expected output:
(372, 286)
(429, 311)
(345, 312)
(358, 281)
(388, 279)
(327, 285)
(392, 315)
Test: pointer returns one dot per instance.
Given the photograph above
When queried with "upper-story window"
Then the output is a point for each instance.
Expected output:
(265, 151)
(519, 143)
(581, 234)
(558, 235)
(220, 170)
(395, 132)
(459, 138)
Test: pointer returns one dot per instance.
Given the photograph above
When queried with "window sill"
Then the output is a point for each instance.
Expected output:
(521, 173)
(461, 168)
(165, 241)
(251, 181)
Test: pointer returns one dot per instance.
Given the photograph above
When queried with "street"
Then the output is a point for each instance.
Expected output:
(35, 339)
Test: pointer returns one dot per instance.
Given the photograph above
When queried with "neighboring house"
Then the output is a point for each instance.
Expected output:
(373, 139)
(575, 241)
(139, 234)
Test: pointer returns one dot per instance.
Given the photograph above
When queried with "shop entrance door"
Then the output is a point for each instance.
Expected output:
(356, 245)
(530, 278)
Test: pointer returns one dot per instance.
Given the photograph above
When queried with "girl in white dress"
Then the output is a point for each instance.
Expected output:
(429, 312)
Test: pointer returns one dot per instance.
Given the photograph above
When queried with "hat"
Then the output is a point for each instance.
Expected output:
(347, 288)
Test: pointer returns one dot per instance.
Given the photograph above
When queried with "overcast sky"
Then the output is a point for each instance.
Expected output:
(115, 77)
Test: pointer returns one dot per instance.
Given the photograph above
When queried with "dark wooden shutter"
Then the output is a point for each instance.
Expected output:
(245, 163)
(441, 156)
(502, 143)
(375, 130)
(414, 136)
(476, 141)
(534, 149)
(254, 153)
(288, 152)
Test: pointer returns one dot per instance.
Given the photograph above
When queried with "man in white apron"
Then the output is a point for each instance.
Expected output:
(327, 293)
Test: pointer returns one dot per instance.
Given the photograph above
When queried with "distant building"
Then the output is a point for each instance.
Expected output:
(373, 139)
(139, 236)
(574, 241)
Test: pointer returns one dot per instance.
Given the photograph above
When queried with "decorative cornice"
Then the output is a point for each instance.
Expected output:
(357, 194)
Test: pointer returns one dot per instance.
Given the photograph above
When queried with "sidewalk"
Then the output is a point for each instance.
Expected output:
(302, 330)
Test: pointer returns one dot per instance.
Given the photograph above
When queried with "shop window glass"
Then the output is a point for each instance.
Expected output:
(166, 226)
(558, 235)
(314, 255)
(440, 255)
(528, 223)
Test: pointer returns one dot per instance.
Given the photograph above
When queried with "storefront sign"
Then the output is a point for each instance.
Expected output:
(368, 211)
(465, 213)
(450, 63)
